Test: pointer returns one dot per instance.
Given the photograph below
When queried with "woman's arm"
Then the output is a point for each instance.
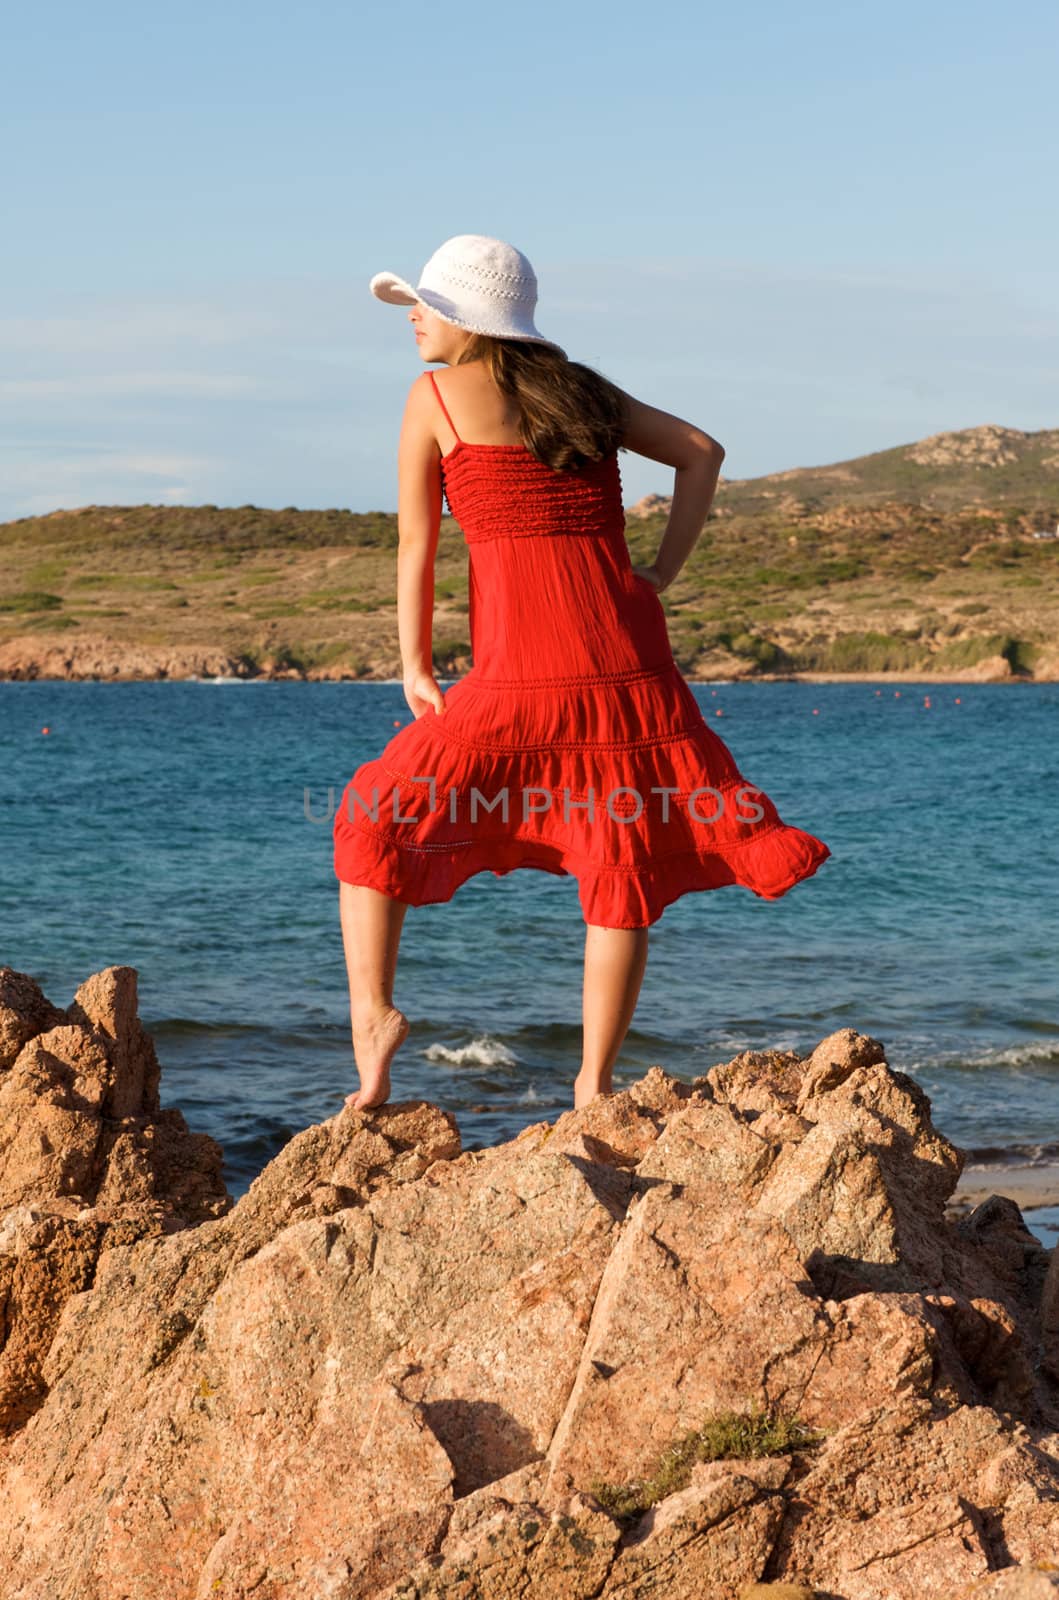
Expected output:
(696, 459)
(419, 505)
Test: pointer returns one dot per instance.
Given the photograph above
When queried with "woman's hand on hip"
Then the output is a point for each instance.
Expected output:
(651, 574)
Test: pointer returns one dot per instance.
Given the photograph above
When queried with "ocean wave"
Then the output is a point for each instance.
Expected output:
(482, 1051)
(989, 1157)
(978, 1060)
(174, 1027)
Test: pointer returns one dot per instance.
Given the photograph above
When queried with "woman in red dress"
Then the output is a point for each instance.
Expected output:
(573, 745)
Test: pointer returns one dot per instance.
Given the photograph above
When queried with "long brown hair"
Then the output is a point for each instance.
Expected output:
(569, 414)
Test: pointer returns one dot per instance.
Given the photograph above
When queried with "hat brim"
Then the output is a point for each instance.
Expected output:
(394, 290)
(398, 292)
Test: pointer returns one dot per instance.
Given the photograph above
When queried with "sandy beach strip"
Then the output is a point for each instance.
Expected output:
(1028, 1186)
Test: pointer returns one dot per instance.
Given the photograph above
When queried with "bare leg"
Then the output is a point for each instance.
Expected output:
(371, 937)
(615, 959)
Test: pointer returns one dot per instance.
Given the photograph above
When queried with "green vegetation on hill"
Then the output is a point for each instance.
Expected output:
(884, 589)
(920, 558)
(990, 467)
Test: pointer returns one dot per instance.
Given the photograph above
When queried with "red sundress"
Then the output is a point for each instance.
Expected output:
(573, 744)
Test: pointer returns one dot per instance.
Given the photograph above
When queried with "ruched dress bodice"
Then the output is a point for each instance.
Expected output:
(550, 578)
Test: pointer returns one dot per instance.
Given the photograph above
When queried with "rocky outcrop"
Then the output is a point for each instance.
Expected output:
(96, 657)
(89, 1161)
(34, 656)
(396, 1369)
(652, 505)
(987, 446)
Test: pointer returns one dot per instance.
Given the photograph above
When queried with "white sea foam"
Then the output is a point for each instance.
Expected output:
(483, 1051)
(1035, 1053)
(193, 677)
(730, 1041)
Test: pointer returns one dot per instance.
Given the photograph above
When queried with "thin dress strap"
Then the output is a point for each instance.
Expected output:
(443, 406)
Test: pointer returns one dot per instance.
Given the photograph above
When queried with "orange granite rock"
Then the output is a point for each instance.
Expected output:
(398, 1370)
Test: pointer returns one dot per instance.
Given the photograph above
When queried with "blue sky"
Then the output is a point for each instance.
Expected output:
(814, 230)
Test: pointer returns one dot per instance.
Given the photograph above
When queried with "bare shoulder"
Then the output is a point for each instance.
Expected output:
(421, 401)
(461, 391)
(421, 392)
(420, 445)
(661, 436)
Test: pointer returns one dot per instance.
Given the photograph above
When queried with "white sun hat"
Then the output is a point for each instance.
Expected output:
(477, 283)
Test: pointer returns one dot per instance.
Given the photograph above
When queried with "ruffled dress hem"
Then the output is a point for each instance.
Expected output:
(768, 865)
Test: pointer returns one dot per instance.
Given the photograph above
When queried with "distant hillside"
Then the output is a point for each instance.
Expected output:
(918, 560)
(990, 466)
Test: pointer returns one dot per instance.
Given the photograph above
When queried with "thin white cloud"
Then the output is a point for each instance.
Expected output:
(37, 486)
(118, 494)
(113, 328)
(90, 384)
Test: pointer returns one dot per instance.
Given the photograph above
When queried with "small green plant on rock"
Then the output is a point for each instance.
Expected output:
(726, 1436)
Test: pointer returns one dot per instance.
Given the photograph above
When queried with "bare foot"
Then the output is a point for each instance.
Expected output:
(587, 1089)
(376, 1039)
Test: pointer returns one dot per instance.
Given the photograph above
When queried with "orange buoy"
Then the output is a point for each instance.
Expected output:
(957, 699)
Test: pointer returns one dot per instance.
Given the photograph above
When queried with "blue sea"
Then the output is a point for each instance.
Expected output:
(184, 829)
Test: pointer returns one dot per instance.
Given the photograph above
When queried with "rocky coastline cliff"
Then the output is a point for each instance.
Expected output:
(720, 1338)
